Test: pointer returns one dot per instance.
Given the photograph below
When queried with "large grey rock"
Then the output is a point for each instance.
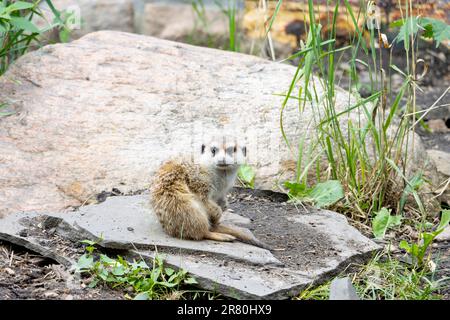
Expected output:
(444, 235)
(104, 111)
(442, 161)
(234, 269)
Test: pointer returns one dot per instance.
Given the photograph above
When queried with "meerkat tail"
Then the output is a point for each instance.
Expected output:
(241, 236)
(217, 236)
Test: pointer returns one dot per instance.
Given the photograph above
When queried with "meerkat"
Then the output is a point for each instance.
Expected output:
(189, 197)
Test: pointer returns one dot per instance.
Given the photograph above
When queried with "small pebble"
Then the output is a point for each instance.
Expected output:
(50, 294)
(9, 271)
(23, 233)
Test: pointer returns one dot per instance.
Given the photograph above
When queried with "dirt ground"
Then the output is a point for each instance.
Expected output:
(25, 275)
(267, 211)
(441, 255)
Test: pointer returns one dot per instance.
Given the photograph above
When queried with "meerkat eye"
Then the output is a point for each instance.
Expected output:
(214, 151)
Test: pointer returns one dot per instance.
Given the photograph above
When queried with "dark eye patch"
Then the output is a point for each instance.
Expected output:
(214, 151)
(230, 150)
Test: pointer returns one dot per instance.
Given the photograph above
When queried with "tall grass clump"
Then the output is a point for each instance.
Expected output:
(385, 278)
(230, 10)
(367, 144)
(18, 32)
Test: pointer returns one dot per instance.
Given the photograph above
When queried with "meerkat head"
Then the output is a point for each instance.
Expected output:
(223, 153)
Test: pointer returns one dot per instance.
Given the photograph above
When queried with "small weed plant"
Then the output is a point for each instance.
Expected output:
(156, 281)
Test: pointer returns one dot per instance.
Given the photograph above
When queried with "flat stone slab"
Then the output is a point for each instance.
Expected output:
(234, 269)
(128, 223)
(30, 230)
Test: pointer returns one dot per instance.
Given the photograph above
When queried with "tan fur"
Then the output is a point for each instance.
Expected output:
(180, 195)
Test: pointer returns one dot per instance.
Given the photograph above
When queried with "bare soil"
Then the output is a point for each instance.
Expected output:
(268, 211)
(25, 275)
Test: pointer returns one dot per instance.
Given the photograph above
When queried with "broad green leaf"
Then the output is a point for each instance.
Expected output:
(380, 223)
(85, 262)
(296, 189)
(435, 29)
(93, 283)
(190, 280)
(395, 221)
(155, 274)
(169, 271)
(410, 26)
(105, 259)
(64, 35)
(445, 220)
(140, 264)
(326, 193)
(415, 250)
(405, 246)
(118, 270)
(383, 221)
(103, 274)
(172, 277)
(2, 28)
(24, 24)
(427, 239)
(428, 32)
(247, 175)
(19, 5)
(396, 23)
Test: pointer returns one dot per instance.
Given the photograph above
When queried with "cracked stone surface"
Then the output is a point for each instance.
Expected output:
(234, 269)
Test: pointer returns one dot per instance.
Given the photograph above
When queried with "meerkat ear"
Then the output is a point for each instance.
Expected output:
(203, 148)
(244, 151)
